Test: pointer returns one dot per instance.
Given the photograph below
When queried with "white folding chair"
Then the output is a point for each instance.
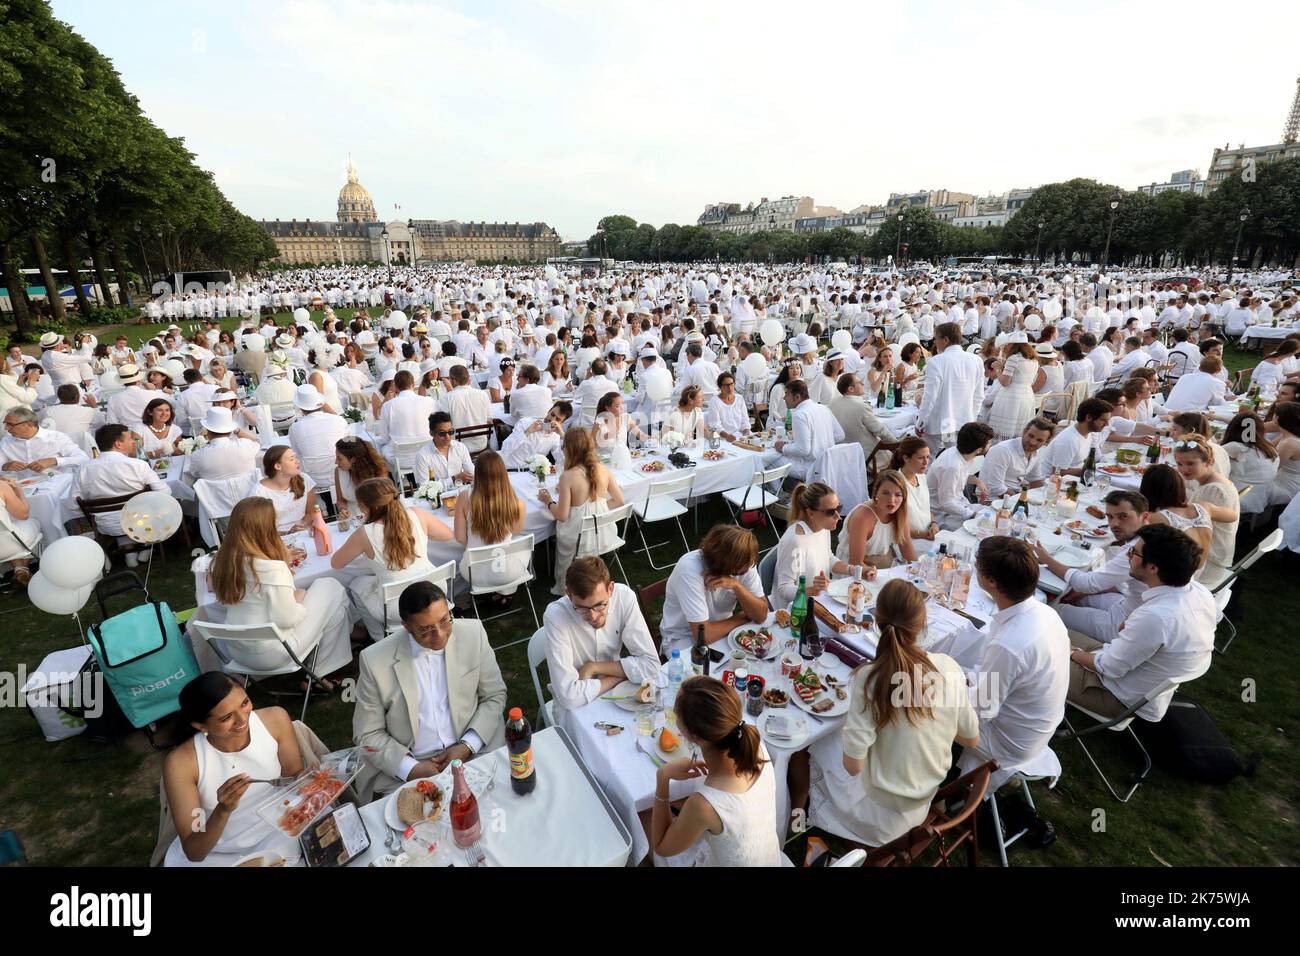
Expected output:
(853, 858)
(282, 416)
(402, 462)
(1120, 723)
(1044, 766)
(1223, 591)
(483, 559)
(219, 636)
(442, 576)
(217, 498)
(661, 504)
(593, 525)
(755, 496)
(536, 656)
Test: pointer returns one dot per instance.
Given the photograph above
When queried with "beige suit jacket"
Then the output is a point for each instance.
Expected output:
(388, 707)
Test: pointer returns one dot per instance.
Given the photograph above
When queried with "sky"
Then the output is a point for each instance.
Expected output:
(565, 111)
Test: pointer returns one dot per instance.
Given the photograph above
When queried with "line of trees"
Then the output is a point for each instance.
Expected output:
(1171, 229)
(84, 175)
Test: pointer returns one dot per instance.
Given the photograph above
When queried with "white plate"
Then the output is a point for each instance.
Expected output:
(1072, 557)
(839, 710)
(627, 690)
(681, 753)
(839, 590)
(772, 648)
(798, 726)
(478, 774)
(1087, 530)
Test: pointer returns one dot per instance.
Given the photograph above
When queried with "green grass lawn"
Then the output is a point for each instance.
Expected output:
(80, 803)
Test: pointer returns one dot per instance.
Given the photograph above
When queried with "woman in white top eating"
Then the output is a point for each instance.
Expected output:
(688, 417)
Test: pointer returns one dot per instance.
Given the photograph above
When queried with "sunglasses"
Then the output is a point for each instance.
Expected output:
(830, 512)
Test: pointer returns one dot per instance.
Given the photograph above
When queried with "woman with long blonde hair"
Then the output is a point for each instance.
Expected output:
(586, 488)
(491, 512)
(877, 527)
(906, 708)
(250, 577)
(394, 541)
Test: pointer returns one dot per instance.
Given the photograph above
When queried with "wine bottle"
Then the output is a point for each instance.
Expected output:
(700, 654)
(1022, 503)
(1089, 468)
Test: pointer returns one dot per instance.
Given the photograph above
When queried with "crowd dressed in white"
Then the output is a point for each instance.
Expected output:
(460, 376)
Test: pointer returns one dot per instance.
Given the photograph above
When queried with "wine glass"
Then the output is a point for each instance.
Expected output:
(1103, 483)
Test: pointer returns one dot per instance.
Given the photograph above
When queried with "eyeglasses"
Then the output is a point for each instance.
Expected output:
(444, 434)
(438, 627)
(590, 611)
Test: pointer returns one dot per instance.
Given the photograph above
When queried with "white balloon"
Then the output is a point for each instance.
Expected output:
(755, 365)
(658, 384)
(151, 517)
(301, 316)
(772, 332)
(73, 562)
(175, 370)
(842, 340)
(397, 315)
(1052, 309)
(52, 599)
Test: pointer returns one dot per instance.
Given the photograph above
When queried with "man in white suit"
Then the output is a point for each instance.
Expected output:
(954, 389)
(427, 694)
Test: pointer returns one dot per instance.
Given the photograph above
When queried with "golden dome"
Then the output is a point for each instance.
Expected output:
(355, 204)
(352, 190)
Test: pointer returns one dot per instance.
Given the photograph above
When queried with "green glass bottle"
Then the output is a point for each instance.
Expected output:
(799, 610)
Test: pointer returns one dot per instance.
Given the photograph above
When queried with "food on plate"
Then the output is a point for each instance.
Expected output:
(714, 455)
(317, 793)
(653, 466)
(756, 642)
(841, 693)
(832, 681)
(775, 697)
(668, 741)
(1095, 511)
(422, 802)
(645, 693)
(783, 618)
(1115, 469)
(807, 685)
(162, 464)
(823, 705)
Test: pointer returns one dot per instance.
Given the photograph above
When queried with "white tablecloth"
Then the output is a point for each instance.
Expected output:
(565, 821)
(48, 499)
(1262, 333)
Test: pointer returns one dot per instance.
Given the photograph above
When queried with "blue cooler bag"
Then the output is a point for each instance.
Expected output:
(145, 661)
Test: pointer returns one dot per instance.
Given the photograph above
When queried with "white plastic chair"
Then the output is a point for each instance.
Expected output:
(536, 656)
(483, 557)
(661, 504)
(251, 635)
(401, 456)
(217, 498)
(1223, 591)
(442, 576)
(755, 495)
(1119, 723)
(282, 416)
(853, 858)
(843, 467)
(593, 525)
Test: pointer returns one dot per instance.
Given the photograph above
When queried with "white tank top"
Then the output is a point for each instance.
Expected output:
(748, 836)
(882, 536)
(260, 760)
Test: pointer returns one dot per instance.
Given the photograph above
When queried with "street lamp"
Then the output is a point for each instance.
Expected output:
(1114, 204)
(1038, 245)
(898, 240)
(1241, 224)
(388, 255)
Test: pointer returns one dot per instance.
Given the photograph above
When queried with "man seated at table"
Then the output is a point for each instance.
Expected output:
(716, 587)
(529, 398)
(858, 420)
(443, 459)
(587, 630)
(227, 454)
(950, 475)
(814, 430)
(1168, 636)
(426, 695)
(27, 447)
(1067, 452)
(195, 401)
(1015, 463)
(114, 473)
(596, 384)
(77, 414)
(1097, 602)
(467, 406)
(1023, 670)
(1199, 390)
(277, 387)
(126, 406)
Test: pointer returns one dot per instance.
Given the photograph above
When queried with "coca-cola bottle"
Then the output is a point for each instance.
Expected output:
(519, 742)
(465, 829)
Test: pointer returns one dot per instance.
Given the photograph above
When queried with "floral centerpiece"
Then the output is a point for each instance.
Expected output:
(352, 414)
(673, 440)
(188, 445)
(539, 466)
(430, 491)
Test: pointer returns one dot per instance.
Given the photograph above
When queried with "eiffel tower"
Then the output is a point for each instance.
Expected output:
(1292, 131)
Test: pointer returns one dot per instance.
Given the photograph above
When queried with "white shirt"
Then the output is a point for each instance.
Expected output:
(1195, 392)
(1021, 682)
(46, 443)
(225, 456)
(1069, 449)
(436, 730)
(801, 552)
(1169, 636)
(687, 600)
(110, 475)
(946, 481)
(954, 391)
(703, 373)
(1131, 361)
(313, 438)
(66, 368)
(1007, 468)
(431, 465)
(571, 642)
(406, 416)
(530, 401)
(467, 406)
(521, 445)
(593, 389)
(815, 430)
(732, 419)
(194, 402)
(1102, 358)
(73, 420)
(127, 406)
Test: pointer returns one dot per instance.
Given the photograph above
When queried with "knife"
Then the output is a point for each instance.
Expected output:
(974, 620)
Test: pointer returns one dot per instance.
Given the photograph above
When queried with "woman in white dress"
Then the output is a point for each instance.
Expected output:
(805, 548)
(875, 527)
(875, 780)
(557, 377)
(688, 417)
(1287, 418)
(911, 459)
(20, 533)
(500, 386)
(791, 368)
(208, 780)
(586, 488)
(355, 461)
(251, 579)
(731, 819)
(160, 434)
(220, 376)
(322, 360)
(1166, 495)
(292, 492)
(613, 426)
(491, 512)
(1015, 403)
(1216, 494)
(394, 543)
(906, 373)
(1253, 461)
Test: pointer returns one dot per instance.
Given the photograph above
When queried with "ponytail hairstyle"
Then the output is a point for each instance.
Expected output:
(805, 498)
(384, 504)
(896, 681)
(905, 450)
(580, 452)
(272, 458)
(710, 712)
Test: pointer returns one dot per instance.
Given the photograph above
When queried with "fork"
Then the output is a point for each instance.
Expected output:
(653, 759)
(474, 855)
